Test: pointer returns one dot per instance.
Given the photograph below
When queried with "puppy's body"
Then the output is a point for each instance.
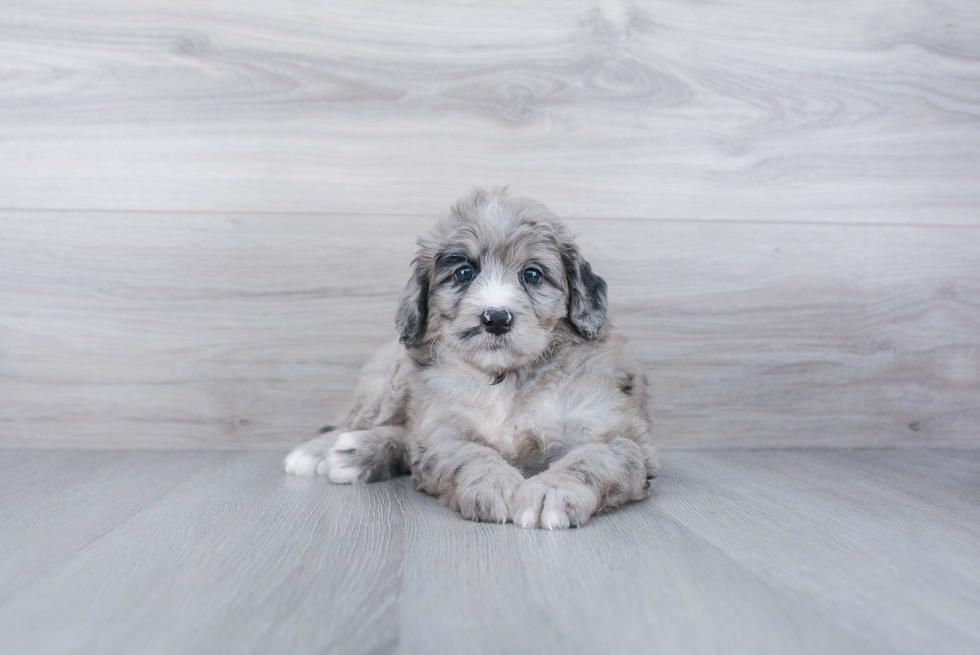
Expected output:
(512, 399)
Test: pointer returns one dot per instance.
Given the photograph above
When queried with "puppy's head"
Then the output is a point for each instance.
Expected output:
(495, 280)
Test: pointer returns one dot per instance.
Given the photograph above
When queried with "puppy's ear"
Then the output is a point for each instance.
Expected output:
(413, 308)
(587, 293)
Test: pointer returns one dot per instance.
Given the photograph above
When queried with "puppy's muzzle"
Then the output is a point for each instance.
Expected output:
(496, 321)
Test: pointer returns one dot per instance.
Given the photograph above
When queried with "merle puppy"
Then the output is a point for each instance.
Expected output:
(509, 397)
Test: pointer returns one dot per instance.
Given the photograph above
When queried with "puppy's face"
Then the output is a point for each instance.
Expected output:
(495, 301)
(495, 280)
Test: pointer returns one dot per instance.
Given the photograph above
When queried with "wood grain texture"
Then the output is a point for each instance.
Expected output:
(55, 506)
(248, 330)
(834, 111)
(738, 551)
(766, 514)
(638, 582)
(237, 558)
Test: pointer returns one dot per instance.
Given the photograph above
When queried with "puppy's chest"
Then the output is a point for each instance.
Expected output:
(494, 412)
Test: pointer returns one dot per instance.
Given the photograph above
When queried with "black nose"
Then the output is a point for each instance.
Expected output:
(497, 321)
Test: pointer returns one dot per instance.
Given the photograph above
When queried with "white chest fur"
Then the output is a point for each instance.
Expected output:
(492, 411)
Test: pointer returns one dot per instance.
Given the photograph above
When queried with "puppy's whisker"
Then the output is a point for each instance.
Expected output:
(437, 351)
(470, 333)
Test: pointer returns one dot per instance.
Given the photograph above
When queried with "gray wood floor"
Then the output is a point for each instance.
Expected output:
(867, 551)
(207, 209)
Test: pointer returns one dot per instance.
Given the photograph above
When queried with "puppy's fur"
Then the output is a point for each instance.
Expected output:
(538, 417)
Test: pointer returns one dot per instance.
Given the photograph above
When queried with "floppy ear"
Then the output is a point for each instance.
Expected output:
(413, 308)
(587, 294)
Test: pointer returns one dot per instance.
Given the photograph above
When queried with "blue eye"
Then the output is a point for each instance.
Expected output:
(463, 274)
(532, 276)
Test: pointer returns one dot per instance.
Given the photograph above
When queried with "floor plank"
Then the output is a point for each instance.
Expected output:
(633, 581)
(943, 483)
(237, 558)
(11, 463)
(847, 111)
(867, 556)
(151, 330)
(53, 506)
(738, 551)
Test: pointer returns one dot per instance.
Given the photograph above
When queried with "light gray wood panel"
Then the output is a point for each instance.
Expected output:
(238, 558)
(937, 482)
(868, 556)
(11, 463)
(633, 581)
(751, 551)
(888, 579)
(53, 507)
(231, 329)
(216, 331)
(831, 111)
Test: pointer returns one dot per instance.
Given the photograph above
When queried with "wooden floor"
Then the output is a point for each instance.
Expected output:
(208, 209)
(866, 551)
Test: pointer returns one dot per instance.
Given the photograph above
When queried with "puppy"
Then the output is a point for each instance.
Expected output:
(511, 398)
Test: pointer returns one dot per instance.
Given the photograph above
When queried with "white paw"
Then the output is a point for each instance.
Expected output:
(341, 465)
(553, 503)
(335, 457)
(309, 458)
(304, 461)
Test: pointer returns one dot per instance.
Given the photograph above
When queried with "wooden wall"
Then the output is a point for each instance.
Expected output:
(207, 208)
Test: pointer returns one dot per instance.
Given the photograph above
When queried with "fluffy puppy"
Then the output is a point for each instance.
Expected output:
(511, 398)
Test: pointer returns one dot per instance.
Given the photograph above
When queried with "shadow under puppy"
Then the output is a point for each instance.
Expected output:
(512, 398)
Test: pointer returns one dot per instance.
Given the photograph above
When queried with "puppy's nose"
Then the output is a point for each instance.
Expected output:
(497, 321)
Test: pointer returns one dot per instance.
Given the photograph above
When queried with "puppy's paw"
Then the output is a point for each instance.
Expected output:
(340, 458)
(486, 495)
(309, 458)
(347, 461)
(553, 503)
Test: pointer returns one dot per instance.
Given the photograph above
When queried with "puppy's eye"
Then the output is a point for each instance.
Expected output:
(532, 276)
(463, 274)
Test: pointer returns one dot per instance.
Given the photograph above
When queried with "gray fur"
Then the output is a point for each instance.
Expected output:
(544, 425)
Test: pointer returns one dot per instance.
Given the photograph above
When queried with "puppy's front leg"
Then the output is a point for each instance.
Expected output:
(353, 455)
(586, 480)
(468, 477)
